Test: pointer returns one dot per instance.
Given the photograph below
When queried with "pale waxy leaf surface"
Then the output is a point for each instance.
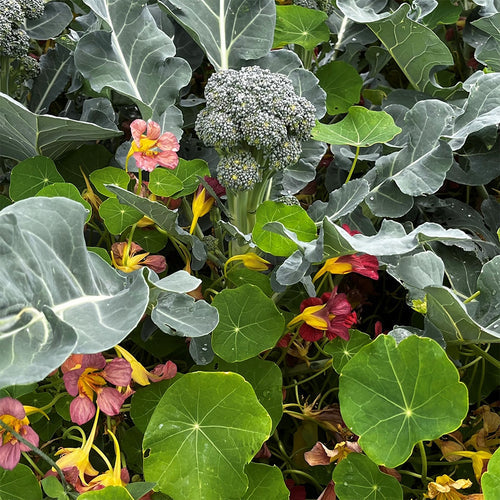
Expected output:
(358, 478)
(363, 11)
(391, 398)
(416, 49)
(249, 323)
(56, 16)
(24, 134)
(488, 53)
(229, 31)
(132, 56)
(203, 432)
(57, 297)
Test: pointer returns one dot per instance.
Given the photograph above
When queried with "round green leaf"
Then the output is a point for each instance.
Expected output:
(19, 484)
(203, 432)
(265, 378)
(342, 350)
(108, 493)
(109, 175)
(300, 26)
(150, 239)
(118, 217)
(293, 218)
(163, 182)
(342, 85)
(358, 478)
(145, 399)
(31, 175)
(65, 190)
(249, 323)
(490, 481)
(189, 172)
(394, 396)
(266, 482)
(361, 127)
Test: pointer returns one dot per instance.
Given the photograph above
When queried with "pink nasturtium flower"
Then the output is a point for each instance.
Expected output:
(89, 374)
(140, 375)
(330, 315)
(13, 413)
(154, 148)
(127, 258)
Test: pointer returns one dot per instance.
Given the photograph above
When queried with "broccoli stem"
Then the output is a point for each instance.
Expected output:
(305, 56)
(4, 74)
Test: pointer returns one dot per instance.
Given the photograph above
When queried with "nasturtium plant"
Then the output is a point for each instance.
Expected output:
(400, 402)
(249, 249)
(213, 418)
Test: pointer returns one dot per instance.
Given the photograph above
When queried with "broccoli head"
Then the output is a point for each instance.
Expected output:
(256, 121)
(14, 42)
(324, 5)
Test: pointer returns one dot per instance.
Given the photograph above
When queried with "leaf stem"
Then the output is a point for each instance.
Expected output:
(472, 297)
(353, 166)
(424, 462)
(303, 381)
(488, 357)
(306, 475)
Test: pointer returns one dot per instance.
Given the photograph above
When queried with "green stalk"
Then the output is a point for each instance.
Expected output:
(353, 166)
(4, 74)
(424, 462)
(488, 357)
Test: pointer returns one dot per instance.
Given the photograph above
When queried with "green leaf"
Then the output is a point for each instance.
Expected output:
(19, 484)
(490, 480)
(139, 489)
(293, 218)
(212, 420)
(163, 182)
(53, 488)
(342, 85)
(24, 134)
(189, 172)
(56, 16)
(398, 401)
(73, 300)
(184, 315)
(249, 323)
(109, 175)
(107, 493)
(362, 11)
(150, 239)
(65, 190)
(343, 351)
(300, 26)
(487, 52)
(132, 56)
(118, 217)
(266, 482)
(361, 127)
(31, 175)
(145, 399)
(445, 13)
(416, 49)
(358, 478)
(229, 31)
(265, 378)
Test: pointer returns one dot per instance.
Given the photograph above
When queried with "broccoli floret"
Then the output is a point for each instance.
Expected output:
(288, 200)
(324, 5)
(254, 118)
(14, 42)
(238, 171)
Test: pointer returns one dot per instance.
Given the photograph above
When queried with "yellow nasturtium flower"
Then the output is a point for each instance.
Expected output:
(250, 261)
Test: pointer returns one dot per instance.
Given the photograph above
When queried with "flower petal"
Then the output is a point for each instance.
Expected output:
(309, 333)
(118, 372)
(155, 262)
(168, 142)
(71, 381)
(11, 406)
(137, 128)
(30, 435)
(110, 400)
(167, 159)
(81, 410)
(10, 453)
(145, 162)
(153, 130)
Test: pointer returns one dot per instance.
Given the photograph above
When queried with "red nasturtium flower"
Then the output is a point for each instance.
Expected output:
(330, 315)
(364, 264)
(144, 148)
(127, 258)
(13, 413)
(88, 374)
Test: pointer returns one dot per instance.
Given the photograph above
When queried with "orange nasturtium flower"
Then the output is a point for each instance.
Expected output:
(144, 148)
(250, 260)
